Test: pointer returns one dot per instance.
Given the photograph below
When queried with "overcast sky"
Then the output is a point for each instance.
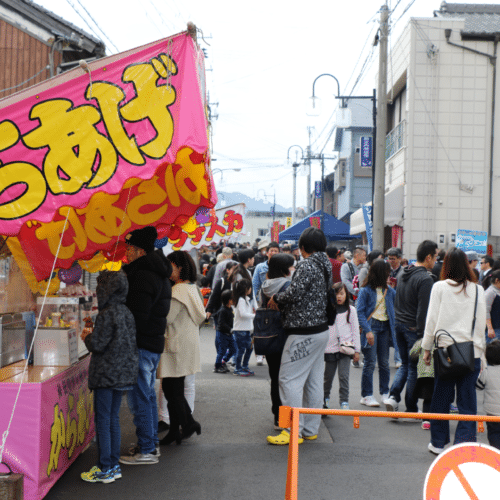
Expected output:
(263, 57)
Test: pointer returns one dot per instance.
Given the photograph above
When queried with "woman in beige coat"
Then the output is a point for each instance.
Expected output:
(181, 356)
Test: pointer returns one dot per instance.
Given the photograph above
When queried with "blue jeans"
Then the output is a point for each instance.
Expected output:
(497, 335)
(380, 349)
(407, 372)
(444, 393)
(107, 423)
(224, 343)
(243, 341)
(142, 402)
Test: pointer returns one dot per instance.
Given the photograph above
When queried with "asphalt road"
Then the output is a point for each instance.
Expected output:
(383, 459)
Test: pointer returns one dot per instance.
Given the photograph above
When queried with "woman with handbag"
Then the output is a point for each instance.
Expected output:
(375, 306)
(279, 276)
(456, 320)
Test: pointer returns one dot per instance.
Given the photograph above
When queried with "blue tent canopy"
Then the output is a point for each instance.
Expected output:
(334, 229)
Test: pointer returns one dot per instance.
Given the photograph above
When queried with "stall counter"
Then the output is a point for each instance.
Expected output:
(53, 421)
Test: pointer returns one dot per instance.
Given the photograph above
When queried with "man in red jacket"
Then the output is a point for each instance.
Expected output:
(332, 253)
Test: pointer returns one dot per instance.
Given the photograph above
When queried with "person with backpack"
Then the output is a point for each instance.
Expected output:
(279, 277)
(351, 269)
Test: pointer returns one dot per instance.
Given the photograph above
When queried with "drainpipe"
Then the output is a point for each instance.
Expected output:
(493, 101)
(493, 61)
(51, 56)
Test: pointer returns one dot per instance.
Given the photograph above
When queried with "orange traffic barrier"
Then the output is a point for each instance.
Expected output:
(289, 419)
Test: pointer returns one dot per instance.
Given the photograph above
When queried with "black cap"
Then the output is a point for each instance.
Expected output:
(143, 238)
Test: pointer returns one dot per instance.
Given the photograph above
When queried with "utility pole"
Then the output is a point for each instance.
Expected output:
(379, 178)
(294, 209)
(308, 163)
(322, 223)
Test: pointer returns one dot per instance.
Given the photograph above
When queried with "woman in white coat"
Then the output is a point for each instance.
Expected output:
(181, 356)
(451, 308)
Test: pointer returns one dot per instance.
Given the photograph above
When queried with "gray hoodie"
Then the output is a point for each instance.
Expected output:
(270, 287)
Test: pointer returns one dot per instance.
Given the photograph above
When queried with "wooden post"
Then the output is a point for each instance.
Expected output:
(11, 487)
(191, 28)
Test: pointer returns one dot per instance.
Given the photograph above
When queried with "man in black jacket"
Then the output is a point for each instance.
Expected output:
(410, 307)
(149, 300)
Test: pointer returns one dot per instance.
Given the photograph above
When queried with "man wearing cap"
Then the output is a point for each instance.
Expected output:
(473, 261)
(149, 300)
(296, 253)
(260, 256)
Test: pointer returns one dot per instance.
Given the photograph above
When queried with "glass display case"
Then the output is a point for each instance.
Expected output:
(65, 313)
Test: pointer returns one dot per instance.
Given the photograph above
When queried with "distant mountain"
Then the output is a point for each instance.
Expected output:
(252, 205)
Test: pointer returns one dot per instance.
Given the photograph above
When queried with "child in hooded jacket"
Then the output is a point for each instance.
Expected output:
(243, 326)
(113, 369)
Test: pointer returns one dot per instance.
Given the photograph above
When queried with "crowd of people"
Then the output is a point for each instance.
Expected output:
(151, 311)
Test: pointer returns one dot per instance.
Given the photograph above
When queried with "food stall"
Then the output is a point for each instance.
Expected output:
(115, 145)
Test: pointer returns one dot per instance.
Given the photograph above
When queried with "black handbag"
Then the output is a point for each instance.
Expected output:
(268, 334)
(457, 359)
(331, 300)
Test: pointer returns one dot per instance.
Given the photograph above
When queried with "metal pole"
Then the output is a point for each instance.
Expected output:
(379, 188)
(294, 209)
(322, 225)
(308, 161)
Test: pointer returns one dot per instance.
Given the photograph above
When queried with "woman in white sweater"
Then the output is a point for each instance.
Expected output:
(451, 308)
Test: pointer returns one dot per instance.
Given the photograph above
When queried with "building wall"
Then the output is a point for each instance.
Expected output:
(22, 57)
(449, 95)
(262, 221)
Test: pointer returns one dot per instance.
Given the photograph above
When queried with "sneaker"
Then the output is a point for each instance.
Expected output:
(391, 404)
(344, 405)
(398, 364)
(385, 396)
(434, 449)
(95, 475)
(282, 439)
(117, 472)
(134, 448)
(369, 401)
(310, 438)
(225, 367)
(260, 360)
(250, 372)
(453, 408)
(356, 364)
(241, 373)
(220, 369)
(326, 404)
(139, 459)
(426, 425)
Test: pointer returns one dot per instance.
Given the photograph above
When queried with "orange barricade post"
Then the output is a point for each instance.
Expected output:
(289, 419)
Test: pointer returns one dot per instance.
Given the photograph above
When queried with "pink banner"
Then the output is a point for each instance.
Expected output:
(83, 132)
(53, 423)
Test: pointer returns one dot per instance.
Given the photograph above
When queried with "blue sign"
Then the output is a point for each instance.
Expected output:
(366, 151)
(317, 189)
(470, 240)
(368, 216)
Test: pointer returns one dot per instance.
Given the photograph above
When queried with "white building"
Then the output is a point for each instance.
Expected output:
(442, 159)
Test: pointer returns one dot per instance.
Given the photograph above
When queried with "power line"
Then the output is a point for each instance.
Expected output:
(98, 27)
(84, 20)
(404, 11)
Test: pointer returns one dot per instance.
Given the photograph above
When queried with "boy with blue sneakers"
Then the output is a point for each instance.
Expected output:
(114, 367)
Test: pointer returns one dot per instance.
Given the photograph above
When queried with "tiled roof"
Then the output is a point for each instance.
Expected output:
(480, 19)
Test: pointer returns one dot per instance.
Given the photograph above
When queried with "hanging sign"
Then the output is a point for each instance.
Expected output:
(205, 227)
(366, 151)
(112, 150)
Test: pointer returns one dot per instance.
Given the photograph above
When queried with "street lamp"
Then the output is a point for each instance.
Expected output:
(315, 109)
(295, 166)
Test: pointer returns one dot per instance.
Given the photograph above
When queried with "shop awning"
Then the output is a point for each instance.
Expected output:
(393, 211)
(335, 230)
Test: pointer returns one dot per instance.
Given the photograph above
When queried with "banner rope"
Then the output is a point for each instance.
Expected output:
(6, 432)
